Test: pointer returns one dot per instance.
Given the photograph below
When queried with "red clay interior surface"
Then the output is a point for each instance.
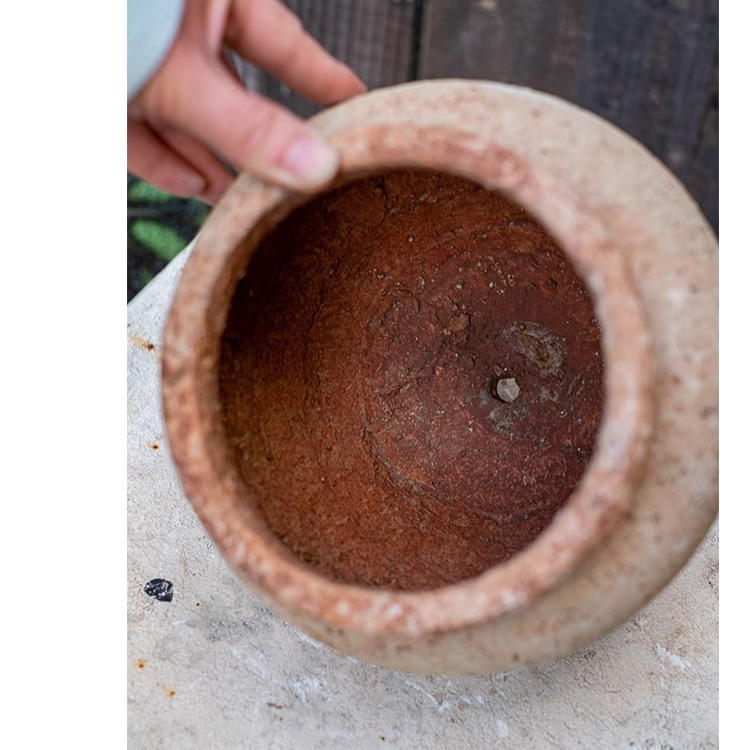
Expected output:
(358, 378)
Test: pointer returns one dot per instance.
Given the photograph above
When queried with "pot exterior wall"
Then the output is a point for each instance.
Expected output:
(671, 253)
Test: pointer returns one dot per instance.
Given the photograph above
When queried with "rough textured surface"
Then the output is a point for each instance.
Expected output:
(357, 374)
(649, 493)
(213, 668)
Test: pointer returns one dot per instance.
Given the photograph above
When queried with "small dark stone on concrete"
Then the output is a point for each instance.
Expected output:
(160, 589)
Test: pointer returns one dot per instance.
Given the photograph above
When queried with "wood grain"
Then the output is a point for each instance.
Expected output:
(648, 66)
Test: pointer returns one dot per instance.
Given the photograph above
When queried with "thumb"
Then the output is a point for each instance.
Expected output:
(251, 132)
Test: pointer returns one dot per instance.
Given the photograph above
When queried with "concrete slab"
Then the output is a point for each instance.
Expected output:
(213, 668)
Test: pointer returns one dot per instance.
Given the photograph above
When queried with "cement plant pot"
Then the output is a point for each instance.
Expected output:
(457, 412)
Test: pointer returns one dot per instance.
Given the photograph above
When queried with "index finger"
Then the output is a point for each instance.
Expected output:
(271, 37)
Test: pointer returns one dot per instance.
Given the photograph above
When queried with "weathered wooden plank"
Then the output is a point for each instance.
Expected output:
(649, 66)
(374, 37)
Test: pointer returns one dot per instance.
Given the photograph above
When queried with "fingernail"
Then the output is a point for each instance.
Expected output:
(311, 160)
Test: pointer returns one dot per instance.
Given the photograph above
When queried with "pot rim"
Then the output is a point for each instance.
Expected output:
(193, 412)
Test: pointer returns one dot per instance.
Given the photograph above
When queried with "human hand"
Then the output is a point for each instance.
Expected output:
(194, 106)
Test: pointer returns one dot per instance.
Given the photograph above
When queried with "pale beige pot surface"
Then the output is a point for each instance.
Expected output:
(387, 561)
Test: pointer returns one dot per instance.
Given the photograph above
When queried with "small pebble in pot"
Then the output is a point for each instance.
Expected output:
(507, 389)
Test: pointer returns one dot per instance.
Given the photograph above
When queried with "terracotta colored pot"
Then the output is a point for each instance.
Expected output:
(457, 413)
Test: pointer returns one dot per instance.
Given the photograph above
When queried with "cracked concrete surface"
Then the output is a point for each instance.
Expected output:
(213, 668)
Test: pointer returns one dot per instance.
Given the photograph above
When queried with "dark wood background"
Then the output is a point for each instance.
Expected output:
(648, 66)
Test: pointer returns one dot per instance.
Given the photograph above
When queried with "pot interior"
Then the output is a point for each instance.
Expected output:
(360, 370)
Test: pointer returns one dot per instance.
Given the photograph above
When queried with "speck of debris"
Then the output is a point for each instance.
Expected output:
(154, 446)
(160, 589)
(507, 389)
(142, 343)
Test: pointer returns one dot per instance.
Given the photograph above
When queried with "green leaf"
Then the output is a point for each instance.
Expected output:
(163, 242)
(144, 277)
(142, 191)
(201, 212)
